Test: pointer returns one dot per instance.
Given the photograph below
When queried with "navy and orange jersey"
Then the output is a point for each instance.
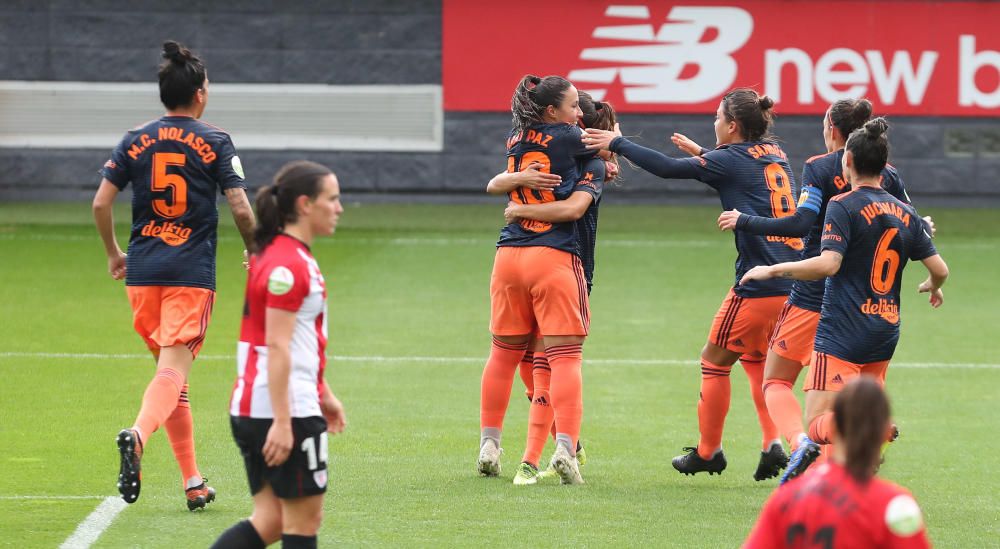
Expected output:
(752, 177)
(176, 165)
(822, 179)
(827, 507)
(594, 172)
(560, 151)
(876, 234)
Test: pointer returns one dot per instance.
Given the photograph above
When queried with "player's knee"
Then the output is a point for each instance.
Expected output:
(268, 526)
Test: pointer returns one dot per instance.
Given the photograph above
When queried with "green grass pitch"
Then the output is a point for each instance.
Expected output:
(409, 310)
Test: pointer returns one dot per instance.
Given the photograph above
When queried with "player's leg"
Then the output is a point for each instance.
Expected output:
(789, 351)
(713, 398)
(301, 519)
(185, 316)
(264, 526)
(260, 530)
(511, 323)
(540, 420)
(562, 309)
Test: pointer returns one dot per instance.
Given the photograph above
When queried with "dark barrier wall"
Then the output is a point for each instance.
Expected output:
(378, 42)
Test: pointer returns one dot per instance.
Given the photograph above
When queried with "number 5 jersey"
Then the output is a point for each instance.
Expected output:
(176, 165)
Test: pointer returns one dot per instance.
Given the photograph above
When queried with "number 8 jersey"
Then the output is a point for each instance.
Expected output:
(176, 165)
(876, 233)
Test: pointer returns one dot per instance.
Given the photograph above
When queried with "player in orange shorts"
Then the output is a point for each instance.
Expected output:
(749, 170)
(177, 165)
(538, 276)
(868, 236)
(791, 344)
(582, 207)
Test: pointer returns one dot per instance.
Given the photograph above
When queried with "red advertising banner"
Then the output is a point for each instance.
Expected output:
(908, 57)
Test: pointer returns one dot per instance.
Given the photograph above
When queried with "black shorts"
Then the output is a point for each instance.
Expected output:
(302, 474)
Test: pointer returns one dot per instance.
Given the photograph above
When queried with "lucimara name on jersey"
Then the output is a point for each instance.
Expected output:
(173, 133)
(875, 209)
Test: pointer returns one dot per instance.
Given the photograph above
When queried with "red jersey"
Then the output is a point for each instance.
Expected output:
(826, 508)
(284, 276)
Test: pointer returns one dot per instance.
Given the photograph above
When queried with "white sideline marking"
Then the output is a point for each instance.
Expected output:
(455, 360)
(445, 241)
(95, 524)
(19, 498)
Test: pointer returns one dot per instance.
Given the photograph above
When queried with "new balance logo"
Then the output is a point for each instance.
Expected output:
(837, 379)
(541, 401)
(651, 60)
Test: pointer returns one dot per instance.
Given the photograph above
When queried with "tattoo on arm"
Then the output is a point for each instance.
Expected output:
(786, 274)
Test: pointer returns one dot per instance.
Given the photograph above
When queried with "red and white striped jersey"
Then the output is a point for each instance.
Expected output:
(284, 276)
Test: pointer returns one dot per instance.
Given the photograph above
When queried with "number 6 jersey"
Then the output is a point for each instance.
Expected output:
(176, 165)
(876, 233)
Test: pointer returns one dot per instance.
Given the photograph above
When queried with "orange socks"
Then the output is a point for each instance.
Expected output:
(161, 397)
(713, 405)
(566, 390)
(180, 431)
(524, 369)
(540, 415)
(821, 428)
(498, 376)
(784, 409)
(755, 373)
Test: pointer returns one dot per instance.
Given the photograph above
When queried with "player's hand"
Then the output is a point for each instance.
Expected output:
(937, 296)
(246, 260)
(760, 272)
(116, 266)
(333, 411)
(596, 139)
(510, 214)
(278, 443)
(727, 220)
(532, 178)
(930, 225)
(611, 170)
(686, 144)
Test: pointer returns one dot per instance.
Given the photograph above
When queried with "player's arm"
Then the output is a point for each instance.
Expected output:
(279, 326)
(937, 270)
(652, 161)
(815, 268)
(797, 224)
(559, 211)
(103, 205)
(530, 177)
(332, 408)
(239, 204)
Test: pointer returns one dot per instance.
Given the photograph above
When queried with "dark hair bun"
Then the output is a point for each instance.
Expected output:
(875, 127)
(862, 110)
(175, 53)
(765, 102)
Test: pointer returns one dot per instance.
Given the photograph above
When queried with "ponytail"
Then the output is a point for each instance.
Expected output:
(870, 147)
(532, 96)
(861, 415)
(848, 115)
(276, 203)
(751, 112)
(181, 75)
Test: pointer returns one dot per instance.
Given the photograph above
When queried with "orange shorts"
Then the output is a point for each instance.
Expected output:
(795, 334)
(744, 324)
(171, 315)
(830, 373)
(538, 286)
